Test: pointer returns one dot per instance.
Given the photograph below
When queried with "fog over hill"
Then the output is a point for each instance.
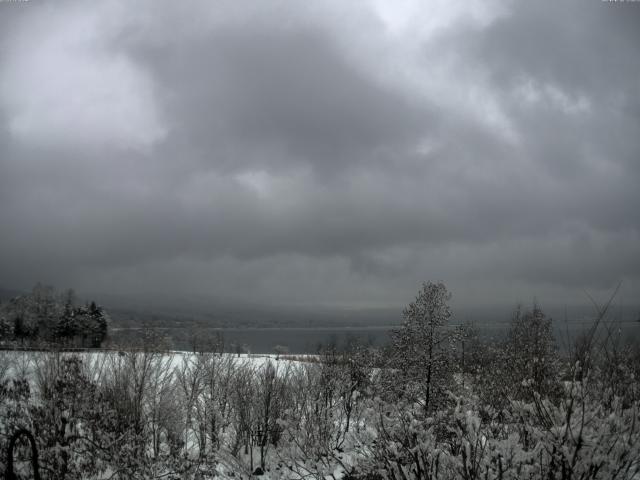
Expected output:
(196, 312)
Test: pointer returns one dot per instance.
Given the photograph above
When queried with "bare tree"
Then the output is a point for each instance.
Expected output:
(424, 347)
(531, 355)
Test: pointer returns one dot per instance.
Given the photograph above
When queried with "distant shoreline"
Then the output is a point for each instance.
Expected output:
(505, 324)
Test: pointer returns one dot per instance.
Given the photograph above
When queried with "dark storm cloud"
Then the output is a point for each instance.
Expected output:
(267, 99)
(321, 155)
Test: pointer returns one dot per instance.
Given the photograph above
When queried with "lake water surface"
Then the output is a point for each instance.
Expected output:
(308, 339)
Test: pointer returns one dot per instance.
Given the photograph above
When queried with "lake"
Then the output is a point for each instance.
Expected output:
(308, 339)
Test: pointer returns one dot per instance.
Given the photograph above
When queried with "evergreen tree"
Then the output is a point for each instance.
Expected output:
(6, 329)
(21, 330)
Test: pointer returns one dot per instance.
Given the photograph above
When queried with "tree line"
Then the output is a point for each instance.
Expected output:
(46, 316)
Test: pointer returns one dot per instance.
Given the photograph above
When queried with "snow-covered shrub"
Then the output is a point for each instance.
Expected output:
(15, 397)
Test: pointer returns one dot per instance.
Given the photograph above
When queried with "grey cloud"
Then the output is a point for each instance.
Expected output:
(268, 99)
(283, 154)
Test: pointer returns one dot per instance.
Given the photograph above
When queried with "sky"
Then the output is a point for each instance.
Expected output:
(321, 153)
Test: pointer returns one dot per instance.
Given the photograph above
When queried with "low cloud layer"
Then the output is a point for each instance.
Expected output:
(287, 152)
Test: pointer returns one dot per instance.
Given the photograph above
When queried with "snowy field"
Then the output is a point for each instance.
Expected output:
(239, 398)
(19, 362)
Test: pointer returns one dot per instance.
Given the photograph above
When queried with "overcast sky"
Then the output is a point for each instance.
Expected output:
(321, 153)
